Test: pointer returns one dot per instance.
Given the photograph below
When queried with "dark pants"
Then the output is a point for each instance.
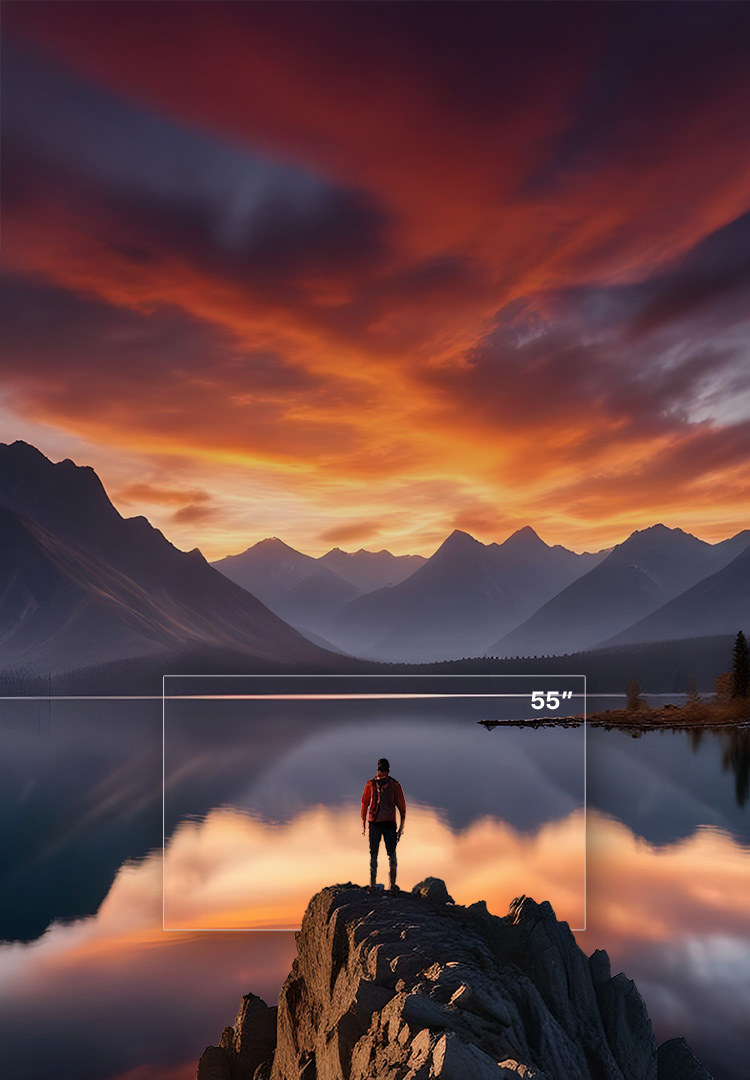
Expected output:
(386, 829)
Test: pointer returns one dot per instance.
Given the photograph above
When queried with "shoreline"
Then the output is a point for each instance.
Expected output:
(665, 718)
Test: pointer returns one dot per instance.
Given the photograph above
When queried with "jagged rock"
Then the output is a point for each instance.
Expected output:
(628, 1027)
(676, 1062)
(214, 1064)
(432, 888)
(246, 1048)
(415, 987)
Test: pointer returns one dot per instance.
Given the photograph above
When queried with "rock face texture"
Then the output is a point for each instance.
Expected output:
(415, 987)
(244, 1047)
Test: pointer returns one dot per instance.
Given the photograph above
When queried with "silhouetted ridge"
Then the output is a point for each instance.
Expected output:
(67, 497)
(83, 586)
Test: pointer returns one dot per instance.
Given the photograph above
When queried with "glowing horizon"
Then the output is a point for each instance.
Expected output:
(288, 296)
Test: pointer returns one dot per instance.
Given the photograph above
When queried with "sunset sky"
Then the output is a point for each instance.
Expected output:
(359, 274)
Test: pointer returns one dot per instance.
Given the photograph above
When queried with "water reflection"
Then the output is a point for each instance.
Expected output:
(85, 795)
(667, 784)
(122, 994)
(452, 766)
(81, 795)
(236, 870)
(668, 870)
(736, 758)
(472, 797)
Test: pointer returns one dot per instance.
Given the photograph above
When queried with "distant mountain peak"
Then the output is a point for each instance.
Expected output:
(459, 539)
(269, 551)
(660, 529)
(662, 534)
(371, 570)
(353, 554)
(271, 542)
(524, 537)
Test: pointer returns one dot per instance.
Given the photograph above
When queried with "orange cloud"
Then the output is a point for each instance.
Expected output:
(477, 276)
(468, 142)
(348, 532)
(139, 491)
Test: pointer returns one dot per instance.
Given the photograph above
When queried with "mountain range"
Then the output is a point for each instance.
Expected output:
(519, 598)
(82, 586)
(308, 592)
(718, 604)
(459, 600)
(636, 579)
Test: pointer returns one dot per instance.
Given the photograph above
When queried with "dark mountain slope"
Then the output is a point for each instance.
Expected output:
(637, 577)
(719, 604)
(81, 585)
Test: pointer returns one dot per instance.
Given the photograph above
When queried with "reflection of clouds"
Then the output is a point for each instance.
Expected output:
(675, 918)
(700, 987)
(526, 778)
(128, 1000)
(637, 891)
(139, 1000)
(234, 870)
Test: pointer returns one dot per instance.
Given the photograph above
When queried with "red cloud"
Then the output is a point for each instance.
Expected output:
(458, 162)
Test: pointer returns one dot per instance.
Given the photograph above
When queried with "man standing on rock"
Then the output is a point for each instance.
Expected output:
(380, 800)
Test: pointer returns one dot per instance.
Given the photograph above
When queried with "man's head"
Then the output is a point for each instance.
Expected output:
(384, 766)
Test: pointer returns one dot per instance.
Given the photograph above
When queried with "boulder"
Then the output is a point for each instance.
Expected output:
(434, 889)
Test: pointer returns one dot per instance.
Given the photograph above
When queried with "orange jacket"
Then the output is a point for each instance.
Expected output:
(398, 799)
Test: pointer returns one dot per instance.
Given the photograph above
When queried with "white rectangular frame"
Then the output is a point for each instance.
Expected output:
(286, 930)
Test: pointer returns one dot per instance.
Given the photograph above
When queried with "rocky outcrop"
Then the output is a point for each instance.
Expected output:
(246, 1050)
(676, 1062)
(415, 987)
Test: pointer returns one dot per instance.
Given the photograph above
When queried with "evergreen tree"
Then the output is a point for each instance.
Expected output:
(740, 667)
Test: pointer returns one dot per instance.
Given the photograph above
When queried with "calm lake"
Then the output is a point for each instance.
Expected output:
(261, 807)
